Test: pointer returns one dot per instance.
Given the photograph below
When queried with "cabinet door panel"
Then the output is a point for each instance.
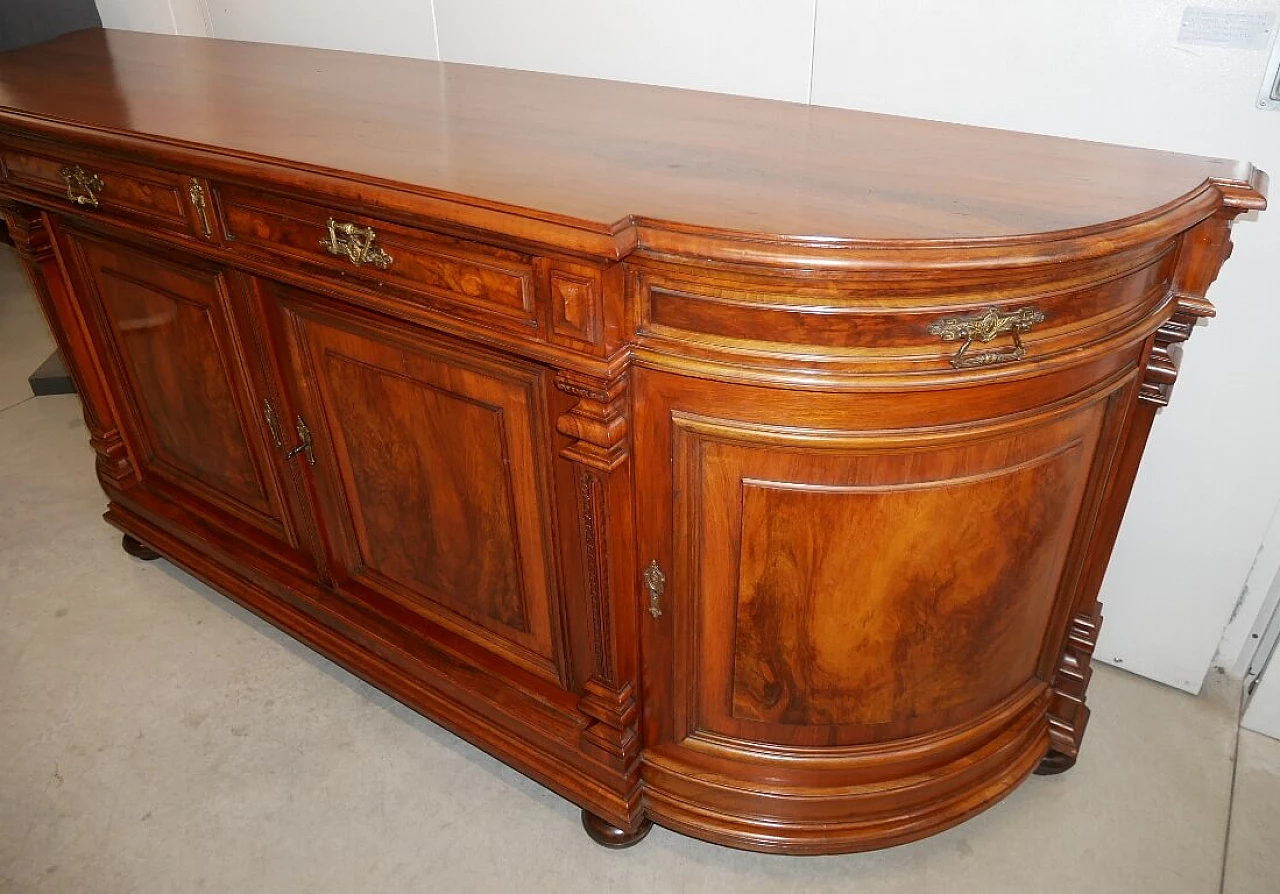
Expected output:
(832, 589)
(183, 380)
(429, 463)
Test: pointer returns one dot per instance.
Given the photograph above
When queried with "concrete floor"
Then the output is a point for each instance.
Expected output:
(156, 738)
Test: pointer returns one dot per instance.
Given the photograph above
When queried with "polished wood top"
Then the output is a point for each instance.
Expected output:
(596, 153)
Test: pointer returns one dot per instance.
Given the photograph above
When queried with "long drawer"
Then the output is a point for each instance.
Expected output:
(457, 276)
(107, 186)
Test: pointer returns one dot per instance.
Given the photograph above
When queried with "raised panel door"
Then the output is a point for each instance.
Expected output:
(186, 378)
(832, 589)
(432, 476)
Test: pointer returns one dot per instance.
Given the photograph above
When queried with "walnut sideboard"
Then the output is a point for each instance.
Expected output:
(746, 467)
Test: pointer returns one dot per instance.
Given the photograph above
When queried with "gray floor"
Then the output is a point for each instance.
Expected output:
(156, 738)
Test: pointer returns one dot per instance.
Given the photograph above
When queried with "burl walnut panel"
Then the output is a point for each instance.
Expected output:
(434, 491)
(747, 467)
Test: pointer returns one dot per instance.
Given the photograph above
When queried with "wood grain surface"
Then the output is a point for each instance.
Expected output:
(596, 152)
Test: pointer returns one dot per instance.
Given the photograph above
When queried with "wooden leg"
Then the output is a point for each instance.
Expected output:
(138, 549)
(1055, 762)
(608, 835)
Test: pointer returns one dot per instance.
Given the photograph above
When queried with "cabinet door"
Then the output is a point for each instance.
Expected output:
(431, 471)
(185, 382)
(833, 583)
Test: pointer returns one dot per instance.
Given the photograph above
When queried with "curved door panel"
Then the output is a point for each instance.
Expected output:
(832, 588)
(849, 593)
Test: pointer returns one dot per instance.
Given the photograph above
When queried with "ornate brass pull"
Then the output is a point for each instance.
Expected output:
(196, 191)
(984, 327)
(82, 186)
(304, 434)
(356, 243)
(304, 445)
(656, 582)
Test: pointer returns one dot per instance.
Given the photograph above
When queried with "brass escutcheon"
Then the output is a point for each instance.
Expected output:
(196, 192)
(656, 583)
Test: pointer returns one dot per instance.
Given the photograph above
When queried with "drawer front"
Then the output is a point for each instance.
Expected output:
(97, 185)
(900, 325)
(458, 276)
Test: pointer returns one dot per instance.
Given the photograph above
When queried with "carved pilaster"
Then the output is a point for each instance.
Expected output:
(596, 557)
(600, 457)
(35, 247)
(1201, 254)
(1068, 713)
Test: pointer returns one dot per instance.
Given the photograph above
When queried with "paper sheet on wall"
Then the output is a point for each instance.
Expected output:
(1233, 29)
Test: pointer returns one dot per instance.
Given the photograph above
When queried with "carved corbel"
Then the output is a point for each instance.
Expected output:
(597, 423)
(1201, 254)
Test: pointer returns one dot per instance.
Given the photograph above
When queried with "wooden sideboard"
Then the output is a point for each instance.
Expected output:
(741, 466)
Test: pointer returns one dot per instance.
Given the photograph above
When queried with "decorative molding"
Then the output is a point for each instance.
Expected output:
(595, 553)
(1068, 714)
(575, 302)
(613, 730)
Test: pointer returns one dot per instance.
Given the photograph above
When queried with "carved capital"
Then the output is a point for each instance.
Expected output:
(597, 422)
(1203, 251)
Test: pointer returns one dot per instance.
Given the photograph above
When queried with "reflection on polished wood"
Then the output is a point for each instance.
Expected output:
(740, 466)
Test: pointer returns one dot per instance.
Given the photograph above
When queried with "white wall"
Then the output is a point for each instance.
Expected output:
(751, 47)
(391, 27)
(150, 15)
(1108, 70)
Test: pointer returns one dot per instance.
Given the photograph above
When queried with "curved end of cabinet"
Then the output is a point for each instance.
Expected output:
(843, 801)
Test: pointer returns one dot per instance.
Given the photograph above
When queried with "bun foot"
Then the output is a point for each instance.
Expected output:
(1055, 762)
(608, 835)
(139, 550)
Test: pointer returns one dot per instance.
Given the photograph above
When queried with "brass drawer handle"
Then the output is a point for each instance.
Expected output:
(984, 327)
(82, 186)
(356, 243)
